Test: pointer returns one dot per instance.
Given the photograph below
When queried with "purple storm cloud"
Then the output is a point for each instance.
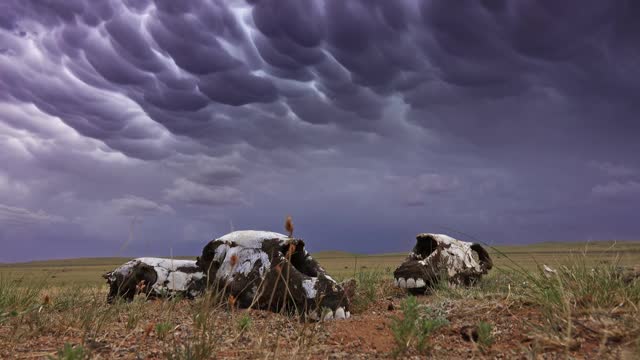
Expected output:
(139, 127)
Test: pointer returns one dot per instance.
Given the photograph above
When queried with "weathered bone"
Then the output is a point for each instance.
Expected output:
(155, 277)
(435, 256)
(269, 270)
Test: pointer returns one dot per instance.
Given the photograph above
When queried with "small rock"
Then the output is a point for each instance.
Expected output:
(574, 345)
(469, 333)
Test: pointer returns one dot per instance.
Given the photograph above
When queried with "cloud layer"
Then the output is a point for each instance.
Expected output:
(368, 121)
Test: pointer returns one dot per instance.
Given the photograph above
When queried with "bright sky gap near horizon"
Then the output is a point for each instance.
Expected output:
(133, 127)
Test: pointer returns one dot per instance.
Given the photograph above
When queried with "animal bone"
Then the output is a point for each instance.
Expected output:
(155, 277)
(272, 271)
(437, 255)
(548, 271)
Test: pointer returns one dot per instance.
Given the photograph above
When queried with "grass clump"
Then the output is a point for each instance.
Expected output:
(576, 287)
(70, 352)
(485, 338)
(414, 327)
(369, 289)
(188, 351)
(244, 322)
(17, 298)
(583, 296)
(162, 329)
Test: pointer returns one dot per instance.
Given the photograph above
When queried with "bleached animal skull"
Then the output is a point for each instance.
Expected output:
(269, 270)
(155, 277)
(437, 255)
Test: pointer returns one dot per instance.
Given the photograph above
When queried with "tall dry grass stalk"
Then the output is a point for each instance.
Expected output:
(288, 226)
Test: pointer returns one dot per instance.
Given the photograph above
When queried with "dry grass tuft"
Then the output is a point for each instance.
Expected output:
(140, 287)
(290, 251)
(288, 226)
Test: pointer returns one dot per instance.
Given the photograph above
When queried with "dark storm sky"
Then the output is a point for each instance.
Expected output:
(148, 128)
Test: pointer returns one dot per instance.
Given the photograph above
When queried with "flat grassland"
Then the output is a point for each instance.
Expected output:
(87, 271)
(587, 309)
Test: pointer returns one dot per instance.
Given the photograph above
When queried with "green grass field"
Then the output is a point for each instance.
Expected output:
(87, 271)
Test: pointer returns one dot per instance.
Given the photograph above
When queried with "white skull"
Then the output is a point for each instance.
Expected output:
(272, 271)
(155, 277)
(435, 256)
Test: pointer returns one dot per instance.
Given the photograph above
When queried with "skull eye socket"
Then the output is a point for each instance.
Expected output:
(425, 246)
(295, 253)
(475, 255)
(482, 256)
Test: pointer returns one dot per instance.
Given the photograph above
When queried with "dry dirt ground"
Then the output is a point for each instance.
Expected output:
(184, 329)
(515, 331)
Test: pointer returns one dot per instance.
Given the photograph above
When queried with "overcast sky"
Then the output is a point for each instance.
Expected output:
(149, 128)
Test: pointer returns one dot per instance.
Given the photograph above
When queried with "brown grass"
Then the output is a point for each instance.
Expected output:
(288, 226)
(585, 310)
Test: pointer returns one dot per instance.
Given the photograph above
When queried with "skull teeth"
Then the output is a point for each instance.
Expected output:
(409, 283)
(339, 314)
(313, 316)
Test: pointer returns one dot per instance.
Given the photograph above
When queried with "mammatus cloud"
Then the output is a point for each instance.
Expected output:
(217, 174)
(472, 114)
(10, 187)
(615, 170)
(18, 217)
(196, 194)
(417, 190)
(617, 189)
(136, 206)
